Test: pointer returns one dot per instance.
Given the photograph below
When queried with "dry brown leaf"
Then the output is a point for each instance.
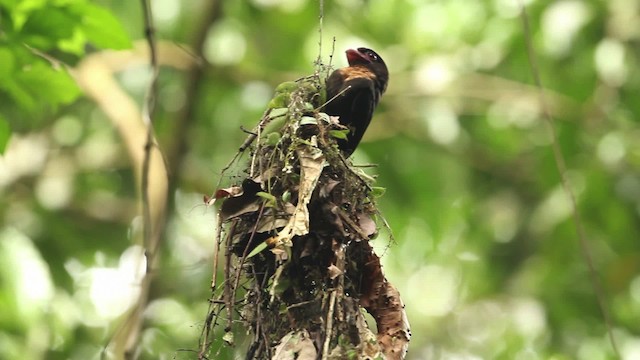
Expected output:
(295, 345)
(222, 194)
(265, 175)
(333, 271)
(328, 187)
(232, 191)
(280, 253)
(244, 202)
(336, 220)
(367, 225)
(312, 162)
(335, 120)
(270, 221)
(308, 250)
(382, 301)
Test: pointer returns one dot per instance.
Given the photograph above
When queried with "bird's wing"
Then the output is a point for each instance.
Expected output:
(363, 99)
(354, 102)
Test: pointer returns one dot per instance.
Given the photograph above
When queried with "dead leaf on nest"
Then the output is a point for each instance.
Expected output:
(269, 173)
(242, 202)
(308, 250)
(311, 164)
(269, 221)
(331, 120)
(333, 271)
(281, 254)
(295, 345)
(224, 193)
(337, 222)
(367, 225)
(328, 187)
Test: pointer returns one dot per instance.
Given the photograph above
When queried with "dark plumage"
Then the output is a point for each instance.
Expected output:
(367, 76)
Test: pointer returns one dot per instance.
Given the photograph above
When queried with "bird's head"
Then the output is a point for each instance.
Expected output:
(371, 60)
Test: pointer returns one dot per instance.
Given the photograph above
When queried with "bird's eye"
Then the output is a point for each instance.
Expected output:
(373, 56)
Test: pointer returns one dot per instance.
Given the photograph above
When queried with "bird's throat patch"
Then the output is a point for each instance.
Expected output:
(357, 72)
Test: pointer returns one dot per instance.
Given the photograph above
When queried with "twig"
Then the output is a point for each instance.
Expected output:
(355, 227)
(333, 50)
(241, 262)
(333, 98)
(264, 121)
(562, 169)
(216, 251)
(329, 326)
(56, 64)
(148, 110)
(130, 332)
(227, 291)
(320, 23)
(339, 251)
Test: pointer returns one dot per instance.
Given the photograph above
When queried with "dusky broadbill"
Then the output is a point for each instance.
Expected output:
(353, 93)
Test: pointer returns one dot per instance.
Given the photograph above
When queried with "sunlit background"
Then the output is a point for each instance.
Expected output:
(486, 255)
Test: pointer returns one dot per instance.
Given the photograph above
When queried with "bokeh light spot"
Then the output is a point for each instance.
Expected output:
(225, 44)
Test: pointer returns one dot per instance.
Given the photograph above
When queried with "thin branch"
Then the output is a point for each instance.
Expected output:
(562, 169)
(241, 261)
(320, 23)
(95, 75)
(333, 98)
(333, 50)
(329, 324)
(216, 251)
(152, 223)
(148, 111)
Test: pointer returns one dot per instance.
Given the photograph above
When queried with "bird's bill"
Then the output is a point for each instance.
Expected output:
(355, 57)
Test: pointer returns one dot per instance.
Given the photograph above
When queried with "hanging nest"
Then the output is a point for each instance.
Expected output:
(298, 266)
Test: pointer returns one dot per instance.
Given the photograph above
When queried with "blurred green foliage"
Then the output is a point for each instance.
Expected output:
(486, 255)
(37, 39)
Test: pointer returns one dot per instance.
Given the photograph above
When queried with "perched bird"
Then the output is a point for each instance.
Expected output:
(353, 93)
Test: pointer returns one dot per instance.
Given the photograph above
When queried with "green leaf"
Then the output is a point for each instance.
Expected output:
(275, 125)
(102, 28)
(9, 3)
(339, 134)
(48, 85)
(5, 134)
(282, 285)
(273, 139)
(7, 63)
(377, 191)
(277, 112)
(308, 120)
(323, 95)
(75, 44)
(279, 101)
(257, 250)
(308, 106)
(271, 200)
(286, 87)
(45, 27)
(21, 97)
(324, 117)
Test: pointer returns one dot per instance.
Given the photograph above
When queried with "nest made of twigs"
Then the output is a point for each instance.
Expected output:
(297, 231)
